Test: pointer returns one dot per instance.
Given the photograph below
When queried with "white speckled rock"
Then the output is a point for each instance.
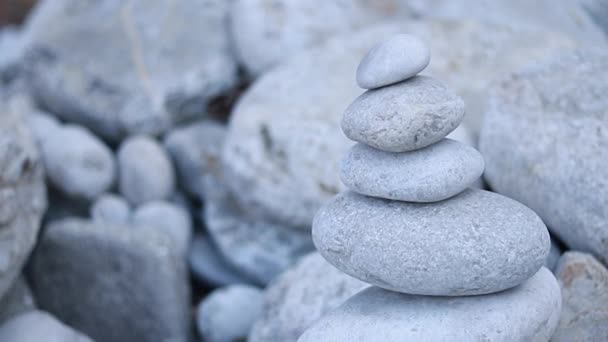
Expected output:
(77, 162)
(405, 116)
(529, 312)
(545, 142)
(474, 243)
(111, 208)
(36, 326)
(169, 219)
(393, 60)
(584, 284)
(145, 170)
(299, 297)
(227, 314)
(430, 174)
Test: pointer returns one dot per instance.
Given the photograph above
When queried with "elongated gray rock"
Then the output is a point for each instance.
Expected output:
(529, 312)
(430, 174)
(112, 282)
(405, 116)
(474, 243)
(38, 326)
(393, 60)
(299, 297)
(584, 284)
(545, 141)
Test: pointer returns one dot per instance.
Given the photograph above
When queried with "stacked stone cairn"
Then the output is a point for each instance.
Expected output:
(448, 262)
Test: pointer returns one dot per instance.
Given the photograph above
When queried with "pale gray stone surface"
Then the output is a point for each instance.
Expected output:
(474, 243)
(284, 143)
(36, 326)
(210, 267)
(393, 60)
(11, 45)
(143, 68)
(529, 312)
(22, 195)
(545, 142)
(430, 174)
(111, 208)
(299, 297)
(17, 300)
(42, 125)
(405, 116)
(111, 282)
(554, 254)
(145, 170)
(195, 150)
(227, 314)
(77, 162)
(166, 218)
(584, 284)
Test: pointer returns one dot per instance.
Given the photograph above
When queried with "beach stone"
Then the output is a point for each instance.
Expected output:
(167, 218)
(529, 312)
(83, 270)
(17, 300)
(394, 60)
(227, 314)
(42, 125)
(77, 162)
(165, 62)
(430, 174)
(35, 326)
(584, 284)
(210, 267)
(11, 45)
(22, 195)
(405, 116)
(474, 243)
(299, 297)
(259, 249)
(195, 149)
(265, 34)
(111, 208)
(545, 141)
(554, 254)
(145, 171)
(284, 143)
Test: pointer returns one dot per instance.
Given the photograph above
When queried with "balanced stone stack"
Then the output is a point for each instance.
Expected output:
(449, 263)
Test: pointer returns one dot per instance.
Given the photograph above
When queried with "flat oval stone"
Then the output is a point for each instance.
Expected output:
(474, 243)
(529, 312)
(393, 60)
(405, 116)
(429, 174)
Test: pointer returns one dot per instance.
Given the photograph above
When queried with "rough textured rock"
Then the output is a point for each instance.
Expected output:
(210, 267)
(474, 243)
(526, 313)
(166, 218)
(38, 326)
(111, 208)
(393, 60)
(22, 195)
(17, 300)
(545, 141)
(166, 60)
(299, 297)
(260, 249)
(227, 314)
(195, 150)
(284, 141)
(111, 282)
(145, 170)
(430, 174)
(405, 116)
(584, 284)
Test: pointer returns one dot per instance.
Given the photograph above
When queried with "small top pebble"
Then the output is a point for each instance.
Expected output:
(393, 60)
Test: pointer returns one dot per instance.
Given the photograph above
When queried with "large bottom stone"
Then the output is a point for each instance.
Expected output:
(529, 312)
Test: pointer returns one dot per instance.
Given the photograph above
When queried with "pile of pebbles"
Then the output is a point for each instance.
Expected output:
(446, 261)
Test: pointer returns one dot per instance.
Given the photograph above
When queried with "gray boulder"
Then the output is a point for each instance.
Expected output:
(141, 69)
(112, 282)
(166, 218)
(584, 284)
(545, 141)
(111, 208)
(299, 297)
(36, 326)
(474, 243)
(529, 312)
